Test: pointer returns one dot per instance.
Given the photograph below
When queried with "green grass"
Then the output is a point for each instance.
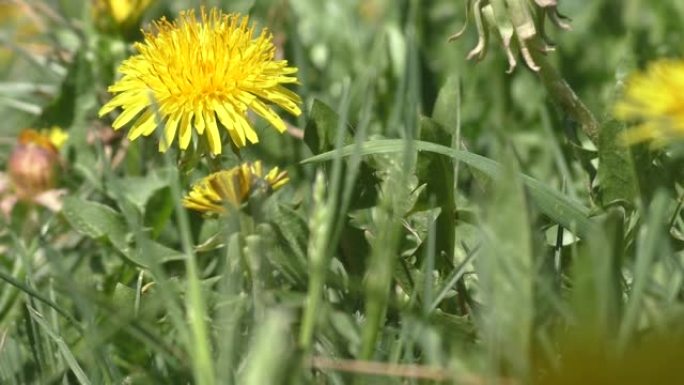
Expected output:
(445, 222)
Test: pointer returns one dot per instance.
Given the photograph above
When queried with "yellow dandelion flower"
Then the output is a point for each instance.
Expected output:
(125, 13)
(232, 187)
(199, 74)
(654, 100)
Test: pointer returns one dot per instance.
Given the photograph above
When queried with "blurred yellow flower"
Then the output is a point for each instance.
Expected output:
(56, 136)
(233, 187)
(52, 138)
(654, 99)
(125, 13)
(199, 73)
(21, 26)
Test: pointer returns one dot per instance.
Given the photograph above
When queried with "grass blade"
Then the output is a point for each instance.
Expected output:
(62, 346)
(552, 203)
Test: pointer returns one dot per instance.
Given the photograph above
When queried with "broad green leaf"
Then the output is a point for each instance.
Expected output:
(123, 297)
(343, 326)
(283, 260)
(446, 107)
(455, 328)
(616, 170)
(268, 350)
(320, 136)
(319, 132)
(62, 110)
(96, 221)
(159, 210)
(154, 251)
(139, 189)
(552, 203)
(650, 174)
(651, 243)
(292, 227)
(506, 271)
(213, 234)
(596, 278)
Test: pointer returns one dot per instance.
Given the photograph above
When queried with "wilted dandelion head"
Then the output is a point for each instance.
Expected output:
(655, 101)
(51, 139)
(233, 187)
(33, 164)
(198, 75)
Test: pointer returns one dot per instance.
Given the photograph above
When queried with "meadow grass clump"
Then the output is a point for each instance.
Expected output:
(350, 200)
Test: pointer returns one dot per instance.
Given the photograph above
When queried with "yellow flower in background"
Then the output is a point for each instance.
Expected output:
(197, 74)
(654, 99)
(232, 187)
(125, 13)
(21, 26)
(56, 136)
(50, 138)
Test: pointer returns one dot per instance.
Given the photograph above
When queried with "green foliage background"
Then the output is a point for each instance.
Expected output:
(444, 219)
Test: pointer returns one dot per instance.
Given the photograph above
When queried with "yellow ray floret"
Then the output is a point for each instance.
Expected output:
(198, 75)
(231, 188)
(654, 99)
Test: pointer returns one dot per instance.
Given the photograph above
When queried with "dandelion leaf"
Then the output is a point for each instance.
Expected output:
(616, 169)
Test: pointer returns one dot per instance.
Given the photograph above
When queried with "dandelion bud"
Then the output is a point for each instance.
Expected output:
(33, 165)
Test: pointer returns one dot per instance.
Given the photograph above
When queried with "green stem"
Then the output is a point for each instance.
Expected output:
(203, 367)
(567, 99)
(9, 294)
(254, 258)
(319, 228)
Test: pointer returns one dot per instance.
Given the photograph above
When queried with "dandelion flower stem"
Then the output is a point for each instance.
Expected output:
(567, 99)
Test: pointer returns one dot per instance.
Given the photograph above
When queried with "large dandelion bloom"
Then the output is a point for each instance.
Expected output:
(233, 187)
(197, 74)
(655, 100)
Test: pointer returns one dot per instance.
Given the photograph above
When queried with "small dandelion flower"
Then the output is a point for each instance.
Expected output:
(124, 13)
(198, 75)
(654, 100)
(233, 187)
